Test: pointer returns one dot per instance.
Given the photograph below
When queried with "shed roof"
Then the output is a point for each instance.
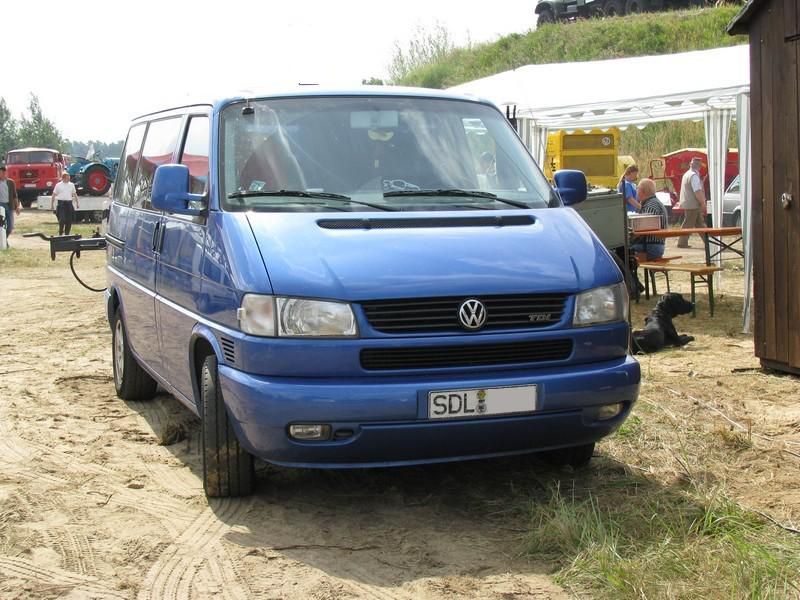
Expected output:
(741, 21)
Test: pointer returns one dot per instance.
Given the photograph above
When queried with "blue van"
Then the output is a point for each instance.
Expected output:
(361, 279)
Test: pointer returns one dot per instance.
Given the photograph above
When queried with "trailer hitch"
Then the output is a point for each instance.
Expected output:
(74, 244)
(70, 243)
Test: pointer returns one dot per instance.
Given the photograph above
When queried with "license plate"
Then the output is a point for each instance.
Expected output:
(28, 185)
(481, 402)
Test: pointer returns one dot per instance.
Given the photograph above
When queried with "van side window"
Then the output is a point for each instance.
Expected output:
(126, 174)
(159, 146)
(195, 154)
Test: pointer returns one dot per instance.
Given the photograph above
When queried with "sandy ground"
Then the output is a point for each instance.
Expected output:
(101, 498)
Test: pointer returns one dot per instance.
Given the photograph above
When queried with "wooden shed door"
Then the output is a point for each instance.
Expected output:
(775, 67)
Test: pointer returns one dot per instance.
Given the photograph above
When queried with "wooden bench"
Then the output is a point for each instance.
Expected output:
(650, 276)
(700, 275)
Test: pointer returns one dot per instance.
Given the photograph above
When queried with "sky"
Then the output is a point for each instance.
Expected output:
(96, 65)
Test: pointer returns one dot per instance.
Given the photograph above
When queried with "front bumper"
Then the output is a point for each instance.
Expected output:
(388, 415)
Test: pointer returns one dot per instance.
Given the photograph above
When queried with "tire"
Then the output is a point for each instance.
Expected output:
(546, 16)
(614, 8)
(637, 6)
(96, 181)
(228, 470)
(131, 381)
(26, 201)
(596, 10)
(575, 456)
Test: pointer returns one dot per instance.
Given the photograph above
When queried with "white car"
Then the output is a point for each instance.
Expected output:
(732, 205)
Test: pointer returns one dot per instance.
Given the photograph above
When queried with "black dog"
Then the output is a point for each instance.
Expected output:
(658, 328)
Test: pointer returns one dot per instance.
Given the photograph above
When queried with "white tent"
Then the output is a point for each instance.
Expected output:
(709, 85)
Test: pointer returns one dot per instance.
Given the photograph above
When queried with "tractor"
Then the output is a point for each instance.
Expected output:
(93, 177)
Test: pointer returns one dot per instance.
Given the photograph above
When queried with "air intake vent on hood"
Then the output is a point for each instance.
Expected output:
(417, 222)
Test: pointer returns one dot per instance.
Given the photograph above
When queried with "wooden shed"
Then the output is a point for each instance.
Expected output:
(774, 30)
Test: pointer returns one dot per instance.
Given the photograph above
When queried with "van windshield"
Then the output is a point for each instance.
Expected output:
(374, 153)
(30, 157)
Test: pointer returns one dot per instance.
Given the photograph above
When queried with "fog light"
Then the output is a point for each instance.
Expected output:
(608, 411)
(310, 432)
(49, 183)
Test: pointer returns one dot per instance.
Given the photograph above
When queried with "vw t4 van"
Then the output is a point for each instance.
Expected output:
(361, 279)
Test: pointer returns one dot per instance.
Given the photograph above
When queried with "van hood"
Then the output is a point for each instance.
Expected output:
(369, 256)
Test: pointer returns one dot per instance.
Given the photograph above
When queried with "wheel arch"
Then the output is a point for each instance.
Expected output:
(202, 344)
(545, 5)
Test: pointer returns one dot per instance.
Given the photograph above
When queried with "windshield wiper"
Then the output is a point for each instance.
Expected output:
(305, 194)
(292, 193)
(456, 192)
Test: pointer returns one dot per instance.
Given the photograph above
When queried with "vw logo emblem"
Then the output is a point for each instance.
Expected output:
(472, 314)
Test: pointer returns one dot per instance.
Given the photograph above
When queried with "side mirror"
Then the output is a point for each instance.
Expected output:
(571, 185)
(170, 191)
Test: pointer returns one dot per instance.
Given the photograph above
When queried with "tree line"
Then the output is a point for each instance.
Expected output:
(33, 129)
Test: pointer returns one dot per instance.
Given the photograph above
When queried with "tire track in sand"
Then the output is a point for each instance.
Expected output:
(174, 572)
(83, 586)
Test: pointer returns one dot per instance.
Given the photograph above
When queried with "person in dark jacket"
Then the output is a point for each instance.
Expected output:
(8, 199)
(650, 205)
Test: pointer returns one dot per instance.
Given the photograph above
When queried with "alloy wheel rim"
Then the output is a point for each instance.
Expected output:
(119, 353)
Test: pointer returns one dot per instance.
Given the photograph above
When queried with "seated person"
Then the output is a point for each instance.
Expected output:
(650, 205)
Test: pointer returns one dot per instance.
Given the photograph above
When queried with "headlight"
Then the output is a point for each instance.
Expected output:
(299, 317)
(292, 317)
(601, 305)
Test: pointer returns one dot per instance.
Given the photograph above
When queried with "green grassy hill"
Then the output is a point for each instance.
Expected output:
(595, 39)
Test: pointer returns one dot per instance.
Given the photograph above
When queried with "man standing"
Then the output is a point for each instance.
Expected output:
(64, 193)
(8, 199)
(692, 201)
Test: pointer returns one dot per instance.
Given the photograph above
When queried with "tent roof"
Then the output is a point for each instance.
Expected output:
(622, 91)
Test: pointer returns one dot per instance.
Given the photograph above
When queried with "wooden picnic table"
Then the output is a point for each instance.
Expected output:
(710, 235)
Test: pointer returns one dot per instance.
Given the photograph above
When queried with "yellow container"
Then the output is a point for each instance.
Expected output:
(596, 153)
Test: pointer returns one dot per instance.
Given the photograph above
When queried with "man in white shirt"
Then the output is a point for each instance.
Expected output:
(692, 200)
(64, 193)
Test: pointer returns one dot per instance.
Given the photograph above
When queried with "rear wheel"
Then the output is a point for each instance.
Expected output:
(546, 15)
(96, 181)
(131, 381)
(576, 456)
(227, 469)
(614, 8)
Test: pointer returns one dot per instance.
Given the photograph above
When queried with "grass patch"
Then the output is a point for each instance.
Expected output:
(663, 542)
(588, 39)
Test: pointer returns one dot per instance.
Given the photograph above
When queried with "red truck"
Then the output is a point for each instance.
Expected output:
(672, 166)
(35, 171)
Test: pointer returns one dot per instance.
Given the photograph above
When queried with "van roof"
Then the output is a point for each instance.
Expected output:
(314, 90)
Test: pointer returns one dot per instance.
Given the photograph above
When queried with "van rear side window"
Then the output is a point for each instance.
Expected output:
(159, 147)
(126, 175)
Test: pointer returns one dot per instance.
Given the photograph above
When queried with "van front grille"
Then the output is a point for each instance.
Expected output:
(466, 355)
(432, 315)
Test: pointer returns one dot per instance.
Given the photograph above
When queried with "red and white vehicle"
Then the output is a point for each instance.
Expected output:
(35, 171)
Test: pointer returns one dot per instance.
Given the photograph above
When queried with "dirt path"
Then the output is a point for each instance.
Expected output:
(101, 499)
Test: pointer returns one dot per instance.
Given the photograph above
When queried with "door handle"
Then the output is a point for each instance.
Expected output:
(155, 236)
(786, 200)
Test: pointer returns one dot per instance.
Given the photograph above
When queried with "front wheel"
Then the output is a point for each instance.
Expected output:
(575, 456)
(26, 201)
(637, 6)
(227, 469)
(131, 381)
